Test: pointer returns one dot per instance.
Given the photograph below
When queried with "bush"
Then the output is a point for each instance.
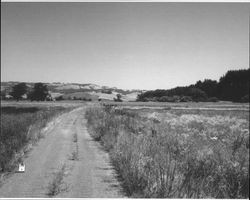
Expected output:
(107, 91)
(59, 98)
(169, 99)
(185, 99)
(39, 92)
(118, 98)
(212, 99)
(164, 99)
(18, 91)
(245, 99)
(3, 94)
(197, 94)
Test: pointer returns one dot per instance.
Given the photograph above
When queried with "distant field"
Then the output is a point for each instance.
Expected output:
(237, 111)
(81, 95)
(196, 104)
(182, 106)
(136, 105)
(66, 103)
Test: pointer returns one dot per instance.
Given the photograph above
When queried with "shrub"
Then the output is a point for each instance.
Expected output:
(245, 99)
(107, 91)
(197, 94)
(19, 90)
(185, 99)
(39, 92)
(118, 98)
(212, 99)
(59, 98)
(169, 99)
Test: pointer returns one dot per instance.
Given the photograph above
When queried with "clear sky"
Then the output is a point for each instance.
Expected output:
(126, 45)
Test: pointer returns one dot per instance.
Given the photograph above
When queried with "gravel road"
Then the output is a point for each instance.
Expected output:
(66, 163)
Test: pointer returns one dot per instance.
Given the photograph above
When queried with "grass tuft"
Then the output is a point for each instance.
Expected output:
(55, 186)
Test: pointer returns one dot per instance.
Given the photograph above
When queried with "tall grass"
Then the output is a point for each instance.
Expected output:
(175, 156)
(20, 127)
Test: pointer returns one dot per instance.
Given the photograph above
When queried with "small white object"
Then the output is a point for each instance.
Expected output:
(214, 138)
(21, 167)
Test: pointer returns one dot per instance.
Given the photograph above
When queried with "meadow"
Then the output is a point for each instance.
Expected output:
(168, 151)
(22, 125)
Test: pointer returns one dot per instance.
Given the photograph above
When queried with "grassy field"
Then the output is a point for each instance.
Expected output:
(43, 104)
(21, 126)
(221, 104)
(164, 150)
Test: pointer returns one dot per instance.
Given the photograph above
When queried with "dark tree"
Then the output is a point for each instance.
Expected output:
(107, 91)
(210, 87)
(118, 99)
(39, 92)
(3, 94)
(173, 95)
(197, 94)
(59, 98)
(234, 85)
(18, 91)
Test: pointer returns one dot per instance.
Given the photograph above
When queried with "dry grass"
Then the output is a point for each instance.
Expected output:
(75, 152)
(175, 156)
(75, 137)
(21, 126)
(56, 185)
(134, 105)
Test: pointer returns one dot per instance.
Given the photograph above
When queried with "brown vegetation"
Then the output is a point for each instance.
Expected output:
(20, 128)
(175, 156)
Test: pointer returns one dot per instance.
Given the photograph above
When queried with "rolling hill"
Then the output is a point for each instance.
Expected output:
(76, 91)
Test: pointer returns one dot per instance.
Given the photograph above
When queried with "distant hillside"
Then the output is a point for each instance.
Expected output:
(233, 86)
(78, 91)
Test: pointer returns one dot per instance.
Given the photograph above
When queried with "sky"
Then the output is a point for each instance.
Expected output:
(125, 45)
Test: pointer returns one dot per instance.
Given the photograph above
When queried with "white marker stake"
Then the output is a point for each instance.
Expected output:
(21, 167)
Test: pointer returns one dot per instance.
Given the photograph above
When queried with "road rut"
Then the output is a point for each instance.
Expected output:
(88, 172)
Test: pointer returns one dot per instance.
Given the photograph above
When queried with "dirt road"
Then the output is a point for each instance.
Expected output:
(66, 163)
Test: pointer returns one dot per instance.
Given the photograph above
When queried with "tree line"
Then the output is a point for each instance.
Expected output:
(233, 86)
(38, 93)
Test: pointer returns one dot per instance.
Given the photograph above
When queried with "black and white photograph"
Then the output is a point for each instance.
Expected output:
(123, 99)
